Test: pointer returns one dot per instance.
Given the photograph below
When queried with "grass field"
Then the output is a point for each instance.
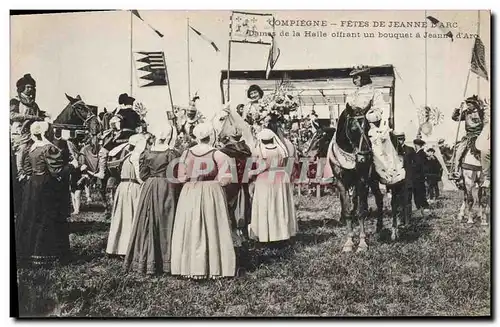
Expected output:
(438, 267)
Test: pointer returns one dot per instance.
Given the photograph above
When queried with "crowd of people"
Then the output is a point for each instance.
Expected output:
(178, 208)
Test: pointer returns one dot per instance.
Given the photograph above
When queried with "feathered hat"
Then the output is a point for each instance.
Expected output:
(359, 70)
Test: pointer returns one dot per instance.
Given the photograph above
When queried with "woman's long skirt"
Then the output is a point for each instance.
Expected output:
(124, 210)
(42, 233)
(202, 244)
(149, 249)
(273, 212)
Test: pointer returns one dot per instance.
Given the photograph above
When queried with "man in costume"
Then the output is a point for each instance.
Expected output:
(369, 101)
(193, 118)
(473, 115)
(23, 112)
(130, 120)
(483, 144)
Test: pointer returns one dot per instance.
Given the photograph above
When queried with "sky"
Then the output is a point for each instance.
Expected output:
(90, 54)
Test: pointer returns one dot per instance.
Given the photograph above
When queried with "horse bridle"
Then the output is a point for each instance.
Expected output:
(84, 119)
(361, 129)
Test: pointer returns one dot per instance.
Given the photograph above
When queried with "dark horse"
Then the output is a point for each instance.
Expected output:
(354, 174)
(78, 114)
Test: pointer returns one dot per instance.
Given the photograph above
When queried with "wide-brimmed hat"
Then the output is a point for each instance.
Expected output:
(419, 142)
(125, 99)
(359, 69)
(398, 133)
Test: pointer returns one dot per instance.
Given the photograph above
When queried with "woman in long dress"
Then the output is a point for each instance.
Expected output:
(149, 249)
(202, 244)
(42, 235)
(126, 198)
(273, 211)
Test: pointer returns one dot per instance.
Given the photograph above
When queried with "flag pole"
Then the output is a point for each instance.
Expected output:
(189, 62)
(168, 82)
(228, 70)
(131, 53)
(229, 58)
(478, 31)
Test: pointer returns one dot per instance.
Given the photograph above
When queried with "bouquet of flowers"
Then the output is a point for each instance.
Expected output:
(431, 115)
(281, 102)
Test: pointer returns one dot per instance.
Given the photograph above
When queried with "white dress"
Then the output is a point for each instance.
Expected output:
(202, 244)
(273, 211)
(124, 209)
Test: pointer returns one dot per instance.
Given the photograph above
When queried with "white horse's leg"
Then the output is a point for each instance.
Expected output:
(483, 202)
(461, 214)
(470, 182)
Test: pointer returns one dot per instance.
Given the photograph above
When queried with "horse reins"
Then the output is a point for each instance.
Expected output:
(363, 136)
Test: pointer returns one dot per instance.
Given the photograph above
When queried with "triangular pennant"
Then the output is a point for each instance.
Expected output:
(154, 71)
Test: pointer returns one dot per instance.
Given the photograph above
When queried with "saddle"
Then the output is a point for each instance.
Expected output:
(336, 154)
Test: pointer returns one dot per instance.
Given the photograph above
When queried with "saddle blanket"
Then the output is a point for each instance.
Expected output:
(388, 164)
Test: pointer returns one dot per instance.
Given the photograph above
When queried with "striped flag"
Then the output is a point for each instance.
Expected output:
(436, 23)
(151, 68)
(274, 53)
(136, 13)
(478, 61)
(212, 43)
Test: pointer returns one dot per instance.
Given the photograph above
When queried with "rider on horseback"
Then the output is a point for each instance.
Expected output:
(473, 115)
(23, 112)
(369, 101)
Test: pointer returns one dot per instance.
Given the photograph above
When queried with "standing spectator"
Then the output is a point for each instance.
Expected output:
(149, 248)
(420, 164)
(433, 174)
(42, 235)
(273, 212)
(126, 198)
(202, 242)
(402, 200)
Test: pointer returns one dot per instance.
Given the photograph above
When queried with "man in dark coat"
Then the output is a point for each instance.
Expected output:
(433, 174)
(237, 193)
(402, 193)
(130, 120)
(420, 164)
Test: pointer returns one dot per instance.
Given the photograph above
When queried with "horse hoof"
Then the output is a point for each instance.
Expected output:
(470, 222)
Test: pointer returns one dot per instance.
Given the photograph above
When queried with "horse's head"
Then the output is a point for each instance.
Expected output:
(356, 132)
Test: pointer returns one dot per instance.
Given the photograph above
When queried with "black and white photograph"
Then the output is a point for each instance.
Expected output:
(250, 163)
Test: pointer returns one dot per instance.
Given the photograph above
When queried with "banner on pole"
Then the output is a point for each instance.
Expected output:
(151, 68)
(251, 27)
(478, 61)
